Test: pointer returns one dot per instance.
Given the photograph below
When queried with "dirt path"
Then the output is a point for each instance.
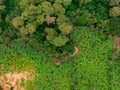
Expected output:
(76, 51)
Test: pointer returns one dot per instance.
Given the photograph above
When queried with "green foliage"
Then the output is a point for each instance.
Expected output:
(81, 21)
(115, 11)
(52, 77)
(30, 85)
(47, 8)
(91, 62)
(6, 36)
(2, 6)
(52, 21)
(22, 55)
(115, 26)
(52, 37)
(90, 69)
(101, 9)
(93, 14)
(34, 15)
(2, 9)
(72, 7)
(65, 28)
(114, 74)
(36, 32)
(51, 33)
(66, 3)
(18, 22)
(60, 41)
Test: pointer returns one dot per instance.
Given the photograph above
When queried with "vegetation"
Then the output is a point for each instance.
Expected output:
(65, 44)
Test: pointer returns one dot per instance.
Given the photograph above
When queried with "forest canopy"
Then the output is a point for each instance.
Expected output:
(52, 23)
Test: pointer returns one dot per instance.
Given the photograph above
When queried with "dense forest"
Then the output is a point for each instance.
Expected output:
(59, 44)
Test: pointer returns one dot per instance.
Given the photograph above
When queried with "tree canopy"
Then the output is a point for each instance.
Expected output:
(52, 22)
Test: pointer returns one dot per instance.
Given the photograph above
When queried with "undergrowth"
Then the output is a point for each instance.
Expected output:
(92, 68)
(92, 61)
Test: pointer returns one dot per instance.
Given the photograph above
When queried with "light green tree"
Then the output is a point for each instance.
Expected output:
(65, 28)
(58, 9)
(62, 18)
(50, 34)
(115, 11)
(18, 22)
(60, 40)
(47, 8)
(2, 6)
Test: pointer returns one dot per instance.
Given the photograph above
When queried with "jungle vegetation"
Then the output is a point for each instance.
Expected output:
(70, 43)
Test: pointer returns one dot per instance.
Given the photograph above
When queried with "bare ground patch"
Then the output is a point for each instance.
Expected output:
(14, 80)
